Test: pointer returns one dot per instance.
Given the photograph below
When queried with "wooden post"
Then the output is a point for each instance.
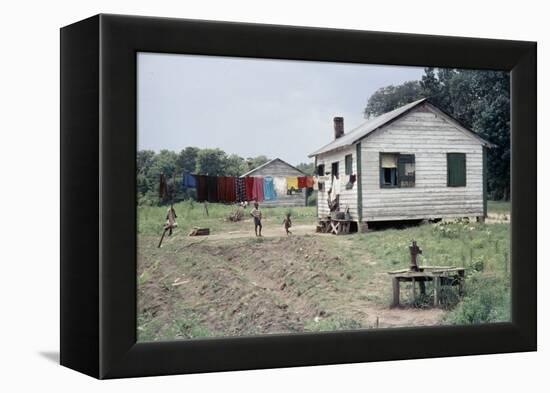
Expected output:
(413, 290)
(461, 282)
(162, 237)
(422, 286)
(437, 283)
(395, 286)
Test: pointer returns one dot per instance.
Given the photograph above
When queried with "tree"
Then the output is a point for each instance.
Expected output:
(235, 165)
(307, 168)
(144, 160)
(187, 159)
(254, 162)
(211, 162)
(390, 97)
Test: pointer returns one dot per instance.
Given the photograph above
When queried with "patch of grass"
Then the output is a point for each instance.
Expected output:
(487, 299)
(193, 214)
(331, 324)
(185, 326)
(498, 207)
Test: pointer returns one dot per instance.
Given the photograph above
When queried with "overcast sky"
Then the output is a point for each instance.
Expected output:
(250, 107)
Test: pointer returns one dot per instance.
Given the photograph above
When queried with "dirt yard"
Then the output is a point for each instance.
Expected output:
(236, 284)
(232, 283)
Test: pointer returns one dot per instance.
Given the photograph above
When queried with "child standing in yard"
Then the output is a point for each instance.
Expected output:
(287, 223)
(257, 215)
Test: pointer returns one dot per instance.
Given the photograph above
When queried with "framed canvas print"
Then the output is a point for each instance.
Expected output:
(239, 196)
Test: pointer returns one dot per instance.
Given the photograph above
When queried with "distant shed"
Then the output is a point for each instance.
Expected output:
(279, 168)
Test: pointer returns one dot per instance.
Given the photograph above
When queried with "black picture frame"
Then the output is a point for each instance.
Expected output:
(98, 198)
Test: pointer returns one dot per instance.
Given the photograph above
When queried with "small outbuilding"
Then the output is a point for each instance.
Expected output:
(279, 168)
(415, 162)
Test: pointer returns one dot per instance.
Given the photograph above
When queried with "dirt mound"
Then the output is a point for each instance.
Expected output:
(254, 286)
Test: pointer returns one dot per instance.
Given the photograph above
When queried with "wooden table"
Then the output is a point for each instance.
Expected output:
(439, 275)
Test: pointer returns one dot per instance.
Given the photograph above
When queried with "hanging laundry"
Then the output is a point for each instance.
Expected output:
(309, 181)
(291, 183)
(315, 183)
(258, 189)
(269, 189)
(301, 181)
(240, 189)
(221, 188)
(230, 189)
(279, 184)
(249, 182)
(202, 189)
(351, 181)
(212, 188)
(321, 185)
(335, 188)
(163, 187)
(188, 180)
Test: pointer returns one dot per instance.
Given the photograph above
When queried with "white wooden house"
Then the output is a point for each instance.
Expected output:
(415, 162)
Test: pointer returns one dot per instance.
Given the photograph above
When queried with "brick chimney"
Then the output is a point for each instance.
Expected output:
(338, 127)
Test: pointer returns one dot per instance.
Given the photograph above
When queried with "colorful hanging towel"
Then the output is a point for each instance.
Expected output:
(279, 183)
(188, 181)
(202, 193)
(230, 189)
(291, 182)
(249, 188)
(301, 182)
(240, 189)
(212, 188)
(221, 188)
(309, 181)
(269, 189)
(258, 189)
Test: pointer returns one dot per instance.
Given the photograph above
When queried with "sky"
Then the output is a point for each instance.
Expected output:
(251, 107)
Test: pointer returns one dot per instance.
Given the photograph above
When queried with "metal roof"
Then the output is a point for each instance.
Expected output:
(375, 123)
(366, 128)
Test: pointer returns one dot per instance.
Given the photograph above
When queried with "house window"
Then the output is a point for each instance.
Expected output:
(334, 169)
(349, 163)
(321, 170)
(406, 170)
(456, 170)
(397, 170)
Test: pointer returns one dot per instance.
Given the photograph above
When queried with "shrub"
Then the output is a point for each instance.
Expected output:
(487, 299)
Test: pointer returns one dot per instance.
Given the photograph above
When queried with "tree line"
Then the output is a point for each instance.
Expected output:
(214, 162)
(478, 99)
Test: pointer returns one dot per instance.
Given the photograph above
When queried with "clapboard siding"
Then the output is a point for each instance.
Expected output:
(429, 137)
(348, 198)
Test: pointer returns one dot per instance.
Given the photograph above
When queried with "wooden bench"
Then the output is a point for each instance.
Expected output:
(333, 225)
(439, 275)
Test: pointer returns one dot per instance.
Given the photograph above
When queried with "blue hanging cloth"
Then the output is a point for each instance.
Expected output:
(269, 189)
(188, 181)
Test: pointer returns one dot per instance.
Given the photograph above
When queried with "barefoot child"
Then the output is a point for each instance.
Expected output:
(287, 223)
(257, 215)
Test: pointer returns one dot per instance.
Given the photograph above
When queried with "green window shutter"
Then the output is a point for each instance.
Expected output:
(456, 169)
(349, 164)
